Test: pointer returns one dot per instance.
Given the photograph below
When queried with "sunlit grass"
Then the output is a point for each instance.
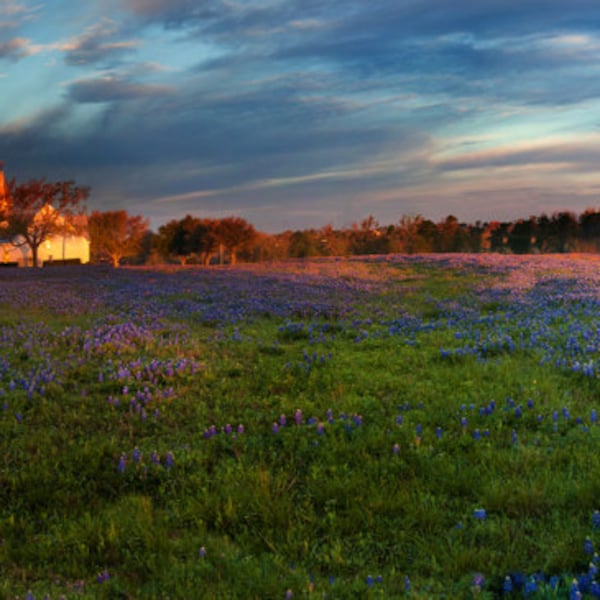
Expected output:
(334, 426)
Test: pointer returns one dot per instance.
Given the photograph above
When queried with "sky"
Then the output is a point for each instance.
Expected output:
(301, 113)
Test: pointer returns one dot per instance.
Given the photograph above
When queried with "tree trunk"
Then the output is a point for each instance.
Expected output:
(115, 261)
(34, 256)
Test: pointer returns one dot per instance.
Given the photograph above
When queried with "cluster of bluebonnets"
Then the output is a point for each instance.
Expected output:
(548, 311)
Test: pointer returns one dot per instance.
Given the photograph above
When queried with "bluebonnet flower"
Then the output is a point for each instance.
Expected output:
(463, 422)
(507, 586)
(155, 458)
(478, 581)
(29, 595)
(530, 403)
(565, 412)
(594, 415)
(396, 448)
(438, 432)
(574, 593)
(240, 429)
(588, 546)
(298, 417)
(122, 463)
(530, 587)
(379, 579)
(227, 429)
(102, 577)
(480, 514)
(399, 420)
(419, 430)
(320, 428)
(555, 416)
(137, 455)
(369, 580)
(275, 427)
(406, 584)
(289, 595)
(283, 420)
(513, 436)
(518, 411)
(477, 434)
(595, 589)
(202, 552)
(169, 460)
(596, 519)
(19, 417)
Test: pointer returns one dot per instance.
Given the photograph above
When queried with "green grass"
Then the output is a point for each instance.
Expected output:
(293, 510)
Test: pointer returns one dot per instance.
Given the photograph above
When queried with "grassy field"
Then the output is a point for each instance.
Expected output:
(419, 427)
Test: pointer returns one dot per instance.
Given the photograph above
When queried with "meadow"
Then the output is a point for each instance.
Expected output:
(393, 426)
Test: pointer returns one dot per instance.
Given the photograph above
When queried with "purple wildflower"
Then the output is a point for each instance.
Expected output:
(122, 463)
(298, 417)
(275, 427)
(169, 460)
(478, 581)
(202, 552)
(240, 429)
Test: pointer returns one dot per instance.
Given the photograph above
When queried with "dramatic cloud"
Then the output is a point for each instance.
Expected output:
(298, 112)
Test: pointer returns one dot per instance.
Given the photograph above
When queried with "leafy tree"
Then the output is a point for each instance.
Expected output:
(116, 234)
(235, 234)
(37, 210)
(176, 239)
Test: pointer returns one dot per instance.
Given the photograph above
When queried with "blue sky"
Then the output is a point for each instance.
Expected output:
(299, 113)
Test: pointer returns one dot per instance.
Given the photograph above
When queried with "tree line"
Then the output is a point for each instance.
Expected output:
(32, 212)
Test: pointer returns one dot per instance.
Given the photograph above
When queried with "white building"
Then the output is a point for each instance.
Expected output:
(71, 247)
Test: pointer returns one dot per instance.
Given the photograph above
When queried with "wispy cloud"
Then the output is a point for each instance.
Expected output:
(111, 88)
(15, 49)
(99, 43)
